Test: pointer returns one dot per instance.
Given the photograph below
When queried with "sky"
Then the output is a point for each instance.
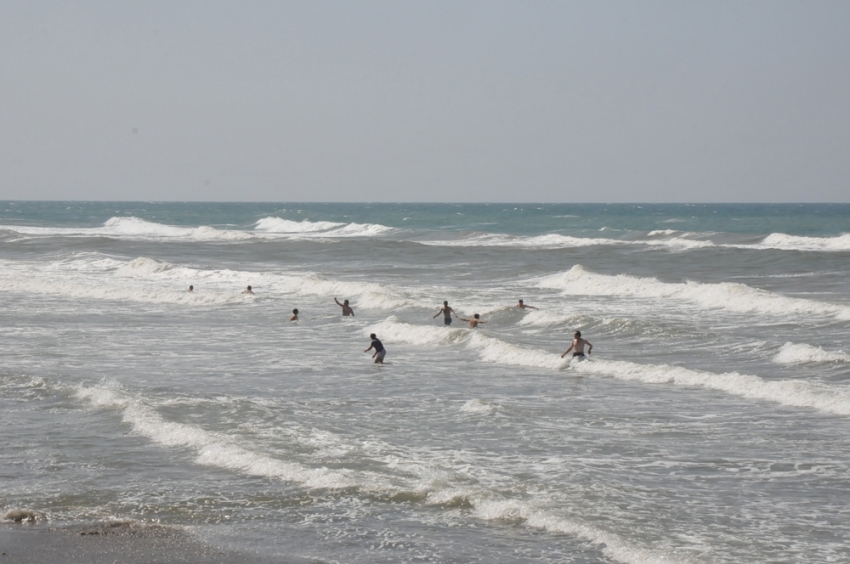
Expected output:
(430, 101)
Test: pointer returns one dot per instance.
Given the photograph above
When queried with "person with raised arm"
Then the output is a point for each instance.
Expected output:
(447, 314)
(474, 322)
(578, 344)
(346, 309)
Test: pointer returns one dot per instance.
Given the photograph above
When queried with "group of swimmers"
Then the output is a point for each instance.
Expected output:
(577, 346)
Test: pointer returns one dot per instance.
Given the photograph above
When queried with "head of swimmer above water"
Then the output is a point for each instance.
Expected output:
(476, 316)
(295, 311)
(373, 336)
(577, 334)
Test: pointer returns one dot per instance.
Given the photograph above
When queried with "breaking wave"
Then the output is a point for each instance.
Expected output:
(785, 242)
(734, 297)
(307, 228)
(556, 241)
(792, 393)
(222, 451)
(791, 353)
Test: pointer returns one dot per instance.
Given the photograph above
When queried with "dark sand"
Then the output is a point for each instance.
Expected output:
(108, 543)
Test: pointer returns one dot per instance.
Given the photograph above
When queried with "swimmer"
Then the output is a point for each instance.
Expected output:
(447, 313)
(578, 344)
(294, 315)
(380, 351)
(521, 305)
(191, 288)
(473, 323)
(346, 309)
(248, 290)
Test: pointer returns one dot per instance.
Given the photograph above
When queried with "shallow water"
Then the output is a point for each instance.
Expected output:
(711, 423)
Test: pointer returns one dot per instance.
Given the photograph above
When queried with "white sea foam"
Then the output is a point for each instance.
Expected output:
(488, 348)
(279, 225)
(792, 353)
(556, 241)
(613, 546)
(785, 242)
(144, 294)
(728, 296)
(269, 227)
(136, 228)
(149, 280)
(211, 448)
(658, 232)
(307, 228)
(216, 450)
(476, 406)
(794, 393)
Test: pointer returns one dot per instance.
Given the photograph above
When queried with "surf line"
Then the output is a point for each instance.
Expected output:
(792, 393)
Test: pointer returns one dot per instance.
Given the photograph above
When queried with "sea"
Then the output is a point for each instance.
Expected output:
(710, 424)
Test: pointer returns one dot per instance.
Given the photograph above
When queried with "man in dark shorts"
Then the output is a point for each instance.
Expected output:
(380, 351)
(447, 313)
(578, 344)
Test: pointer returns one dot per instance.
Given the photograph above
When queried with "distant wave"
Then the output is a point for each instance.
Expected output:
(269, 227)
(785, 242)
(557, 241)
(793, 393)
(734, 297)
(792, 353)
(307, 228)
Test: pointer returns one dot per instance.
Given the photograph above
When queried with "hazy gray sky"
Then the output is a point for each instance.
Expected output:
(426, 101)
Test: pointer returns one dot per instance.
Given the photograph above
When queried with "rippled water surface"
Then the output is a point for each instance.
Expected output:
(710, 424)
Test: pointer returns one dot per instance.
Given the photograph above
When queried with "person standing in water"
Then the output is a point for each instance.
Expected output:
(248, 290)
(578, 344)
(294, 315)
(346, 309)
(447, 313)
(474, 322)
(521, 305)
(380, 351)
(191, 288)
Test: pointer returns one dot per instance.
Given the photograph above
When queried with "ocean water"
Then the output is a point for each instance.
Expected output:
(710, 424)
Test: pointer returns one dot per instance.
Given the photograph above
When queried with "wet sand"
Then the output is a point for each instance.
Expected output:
(109, 543)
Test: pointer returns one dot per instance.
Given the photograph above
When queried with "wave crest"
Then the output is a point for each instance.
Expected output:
(791, 353)
(734, 297)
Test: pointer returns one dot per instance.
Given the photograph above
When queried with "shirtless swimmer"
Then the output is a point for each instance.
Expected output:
(578, 344)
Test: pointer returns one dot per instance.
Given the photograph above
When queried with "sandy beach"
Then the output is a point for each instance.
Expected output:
(107, 543)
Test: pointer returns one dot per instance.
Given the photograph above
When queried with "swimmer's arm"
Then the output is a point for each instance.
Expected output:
(568, 350)
(369, 349)
(438, 313)
(531, 307)
(589, 347)
(337, 302)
